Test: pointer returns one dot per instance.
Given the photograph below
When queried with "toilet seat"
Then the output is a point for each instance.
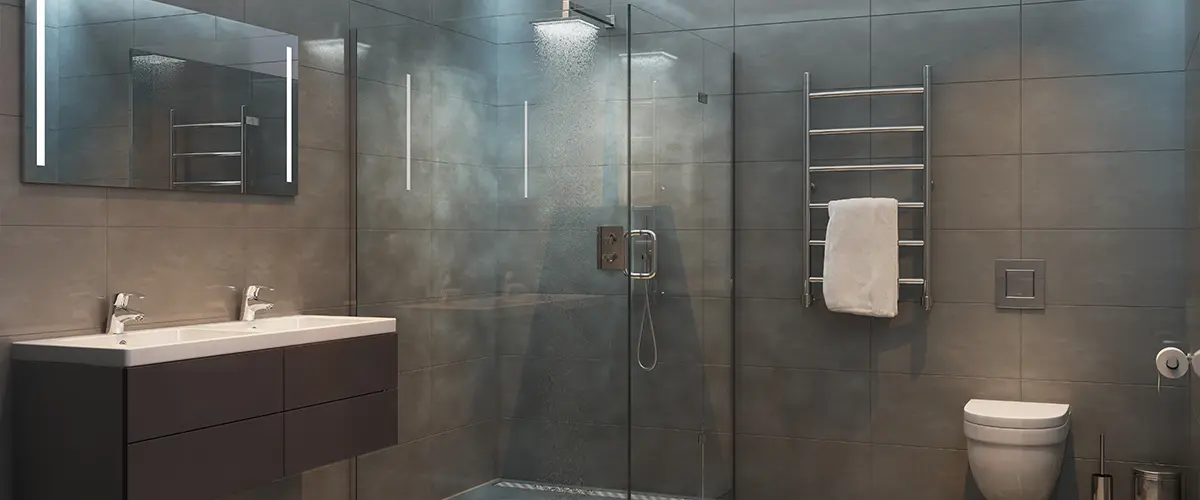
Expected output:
(1016, 414)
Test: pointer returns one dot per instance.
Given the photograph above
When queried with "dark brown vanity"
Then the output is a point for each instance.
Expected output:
(198, 429)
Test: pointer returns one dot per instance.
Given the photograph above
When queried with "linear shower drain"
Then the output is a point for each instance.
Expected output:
(583, 491)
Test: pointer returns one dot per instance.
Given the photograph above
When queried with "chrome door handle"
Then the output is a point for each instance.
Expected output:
(653, 270)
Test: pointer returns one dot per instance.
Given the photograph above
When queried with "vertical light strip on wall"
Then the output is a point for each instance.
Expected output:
(41, 82)
(526, 149)
(289, 114)
(408, 132)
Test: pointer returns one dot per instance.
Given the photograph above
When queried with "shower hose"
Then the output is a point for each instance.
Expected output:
(647, 318)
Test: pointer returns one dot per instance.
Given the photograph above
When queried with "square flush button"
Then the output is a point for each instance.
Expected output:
(1018, 283)
(1021, 284)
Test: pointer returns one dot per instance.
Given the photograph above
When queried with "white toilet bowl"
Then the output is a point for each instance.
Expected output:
(1015, 448)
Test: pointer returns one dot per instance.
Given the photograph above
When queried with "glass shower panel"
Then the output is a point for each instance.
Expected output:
(489, 150)
(681, 176)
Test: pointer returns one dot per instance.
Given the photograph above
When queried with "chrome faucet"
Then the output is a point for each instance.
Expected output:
(251, 304)
(120, 313)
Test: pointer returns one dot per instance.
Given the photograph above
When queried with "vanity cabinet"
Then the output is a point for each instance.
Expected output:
(199, 429)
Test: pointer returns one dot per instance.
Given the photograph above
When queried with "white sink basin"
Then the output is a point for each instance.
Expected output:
(146, 347)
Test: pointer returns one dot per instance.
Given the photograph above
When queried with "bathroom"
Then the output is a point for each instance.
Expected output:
(584, 229)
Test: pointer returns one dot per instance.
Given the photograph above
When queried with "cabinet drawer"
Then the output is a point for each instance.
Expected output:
(324, 434)
(186, 395)
(328, 371)
(208, 463)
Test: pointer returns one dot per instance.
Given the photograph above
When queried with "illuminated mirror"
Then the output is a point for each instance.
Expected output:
(141, 94)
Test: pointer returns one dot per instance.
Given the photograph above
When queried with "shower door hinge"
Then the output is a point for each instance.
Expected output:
(702, 97)
(610, 248)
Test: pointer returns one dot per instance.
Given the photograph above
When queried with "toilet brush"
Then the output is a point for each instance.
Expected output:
(1102, 483)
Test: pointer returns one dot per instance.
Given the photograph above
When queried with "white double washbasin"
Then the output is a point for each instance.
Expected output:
(147, 347)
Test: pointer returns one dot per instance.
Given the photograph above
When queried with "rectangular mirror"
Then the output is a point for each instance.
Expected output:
(142, 94)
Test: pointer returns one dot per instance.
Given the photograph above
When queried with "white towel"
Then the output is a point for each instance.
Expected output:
(862, 262)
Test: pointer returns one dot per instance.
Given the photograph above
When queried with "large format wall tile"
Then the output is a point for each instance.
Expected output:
(964, 263)
(140, 208)
(1097, 344)
(969, 119)
(1136, 112)
(784, 333)
(304, 266)
(463, 458)
(323, 200)
(977, 192)
(907, 473)
(462, 394)
(769, 126)
(879, 7)
(562, 390)
(785, 402)
(1103, 190)
(11, 42)
(1110, 267)
(185, 273)
(926, 410)
(1102, 37)
(666, 461)
(770, 468)
(768, 264)
(562, 453)
(60, 272)
(668, 397)
(770, 195)
(772, 11)
(961, 45)
(402, 471)
(382, 273)
(973, 340)
(774, 57)
(1141, 423)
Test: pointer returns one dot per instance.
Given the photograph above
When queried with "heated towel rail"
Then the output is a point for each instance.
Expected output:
(240, 154)
(925, 167)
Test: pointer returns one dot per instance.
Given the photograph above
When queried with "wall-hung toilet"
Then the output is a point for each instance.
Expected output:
(1015, 448)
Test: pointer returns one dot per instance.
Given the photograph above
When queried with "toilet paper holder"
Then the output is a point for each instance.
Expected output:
(1173, 363)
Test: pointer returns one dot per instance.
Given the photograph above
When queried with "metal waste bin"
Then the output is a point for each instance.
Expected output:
(1157, 485)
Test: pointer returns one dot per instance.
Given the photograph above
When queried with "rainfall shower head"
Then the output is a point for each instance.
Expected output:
(575, 16)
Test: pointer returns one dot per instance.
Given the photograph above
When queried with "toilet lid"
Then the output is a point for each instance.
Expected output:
(1016, 414)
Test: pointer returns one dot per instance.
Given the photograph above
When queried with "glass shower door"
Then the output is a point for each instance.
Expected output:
(681, 151)
(488, 151)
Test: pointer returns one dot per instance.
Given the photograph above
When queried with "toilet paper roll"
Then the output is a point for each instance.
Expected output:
(1172, 362)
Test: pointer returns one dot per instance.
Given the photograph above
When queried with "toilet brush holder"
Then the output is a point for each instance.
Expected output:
(1101, 482)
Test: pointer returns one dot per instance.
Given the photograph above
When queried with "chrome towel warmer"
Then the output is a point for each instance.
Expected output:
(240, 153)
(927, 229)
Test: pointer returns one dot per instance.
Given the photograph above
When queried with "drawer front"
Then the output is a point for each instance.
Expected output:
(186, 395)
(324, 434)
(328, 371)
(208, 463)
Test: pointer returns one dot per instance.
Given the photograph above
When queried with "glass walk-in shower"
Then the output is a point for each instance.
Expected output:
(489, 149)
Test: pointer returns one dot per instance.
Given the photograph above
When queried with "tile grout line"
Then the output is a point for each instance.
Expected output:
(1021, 186)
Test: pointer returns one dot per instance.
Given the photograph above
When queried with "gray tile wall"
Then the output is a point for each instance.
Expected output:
(1058, 135)
(67, 250)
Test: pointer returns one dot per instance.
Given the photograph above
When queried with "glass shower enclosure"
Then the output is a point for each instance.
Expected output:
(489, 147)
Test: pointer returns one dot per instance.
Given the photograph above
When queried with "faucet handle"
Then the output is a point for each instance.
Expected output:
(122, 299)
(252, 291)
